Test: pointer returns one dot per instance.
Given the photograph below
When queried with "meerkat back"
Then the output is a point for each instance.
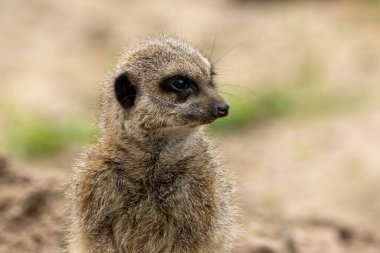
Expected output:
(152, 182)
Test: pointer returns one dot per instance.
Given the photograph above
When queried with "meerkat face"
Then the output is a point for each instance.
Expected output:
(168, 84)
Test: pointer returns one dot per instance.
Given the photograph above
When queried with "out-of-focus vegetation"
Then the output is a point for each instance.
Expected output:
(374, 1)
(278, 101)
(36, 136)
(307, 96)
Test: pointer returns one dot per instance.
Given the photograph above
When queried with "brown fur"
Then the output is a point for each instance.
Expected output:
(152, 182)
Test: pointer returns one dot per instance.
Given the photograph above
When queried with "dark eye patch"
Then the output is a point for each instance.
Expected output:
(182, 86)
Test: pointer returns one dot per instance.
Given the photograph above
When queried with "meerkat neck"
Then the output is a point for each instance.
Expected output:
(155, 142)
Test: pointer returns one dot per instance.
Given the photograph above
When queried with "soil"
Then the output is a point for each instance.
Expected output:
(31, 212)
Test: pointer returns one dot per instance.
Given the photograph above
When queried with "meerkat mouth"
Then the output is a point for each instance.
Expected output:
(207, 121)
(197, 120)
(189, 126)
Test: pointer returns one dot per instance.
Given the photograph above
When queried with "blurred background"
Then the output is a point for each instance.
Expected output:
(303, 135)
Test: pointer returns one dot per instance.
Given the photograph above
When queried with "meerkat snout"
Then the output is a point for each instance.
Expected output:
(221, 109)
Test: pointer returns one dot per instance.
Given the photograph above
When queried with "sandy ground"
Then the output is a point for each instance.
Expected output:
(31, 212)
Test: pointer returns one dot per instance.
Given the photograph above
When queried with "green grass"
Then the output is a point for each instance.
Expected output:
(36, 137)
(305, 96)
(375, 2)
(257, 107)
(275, 101)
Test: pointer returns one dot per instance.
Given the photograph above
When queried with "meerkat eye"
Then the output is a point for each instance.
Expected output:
(181, 85)
(178, 84)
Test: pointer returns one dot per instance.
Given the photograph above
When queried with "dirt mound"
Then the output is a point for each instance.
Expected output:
(31, 213)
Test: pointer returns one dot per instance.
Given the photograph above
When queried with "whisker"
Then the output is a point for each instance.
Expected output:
(238, 99)
(230, 94)
(222, 70)
(213, 45)
(229, 51)
(237, 86)
(211, 129)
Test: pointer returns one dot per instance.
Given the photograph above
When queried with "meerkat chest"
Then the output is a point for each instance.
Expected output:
(170, 183)
(184, 191)
(182, 177)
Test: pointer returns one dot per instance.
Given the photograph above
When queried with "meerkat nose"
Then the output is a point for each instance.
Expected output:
(221, 109)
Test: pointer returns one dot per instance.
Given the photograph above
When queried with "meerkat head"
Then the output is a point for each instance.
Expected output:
(166, 84)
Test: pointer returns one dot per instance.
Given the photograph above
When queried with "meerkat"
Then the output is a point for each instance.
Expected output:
(152, 182)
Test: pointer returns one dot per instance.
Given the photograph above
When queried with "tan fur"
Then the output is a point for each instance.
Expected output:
(152, 182)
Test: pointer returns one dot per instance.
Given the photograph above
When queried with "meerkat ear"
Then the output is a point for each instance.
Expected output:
(125, 91)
